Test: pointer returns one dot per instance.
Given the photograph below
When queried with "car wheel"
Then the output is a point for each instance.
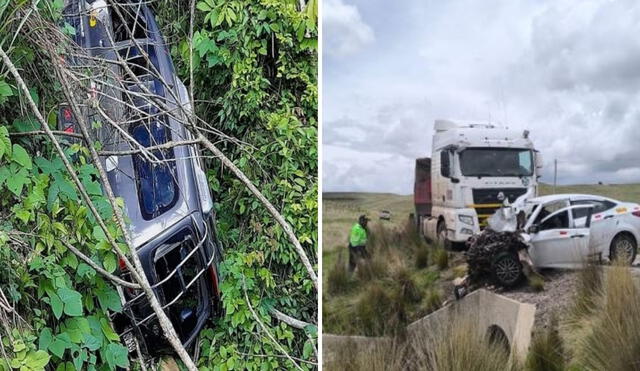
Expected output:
(623, 247)
(507, 269)
(441, 235)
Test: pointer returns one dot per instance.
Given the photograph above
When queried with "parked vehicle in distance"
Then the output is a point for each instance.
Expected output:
(473, 168)
(384, 215)
(167, 201)
(566, 230)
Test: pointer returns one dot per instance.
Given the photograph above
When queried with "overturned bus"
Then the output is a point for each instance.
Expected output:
(141, 103)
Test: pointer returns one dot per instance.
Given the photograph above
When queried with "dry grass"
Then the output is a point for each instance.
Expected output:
(421, 257)
(433, 300)
(536, 282)
(408, 289)
(458, 346)
(460, 270)
(546, 352)
(380, 311)
(441, 258)
(381, 356)
(373, 268)
(611, 338)
(588, 293)
(338, 276)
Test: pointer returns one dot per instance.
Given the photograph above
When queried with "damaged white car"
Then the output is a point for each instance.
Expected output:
(557, 231)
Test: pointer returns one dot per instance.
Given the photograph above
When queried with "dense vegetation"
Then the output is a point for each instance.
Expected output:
(255, 80)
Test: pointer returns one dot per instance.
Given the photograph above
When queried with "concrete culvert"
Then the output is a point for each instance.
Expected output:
(497, 337)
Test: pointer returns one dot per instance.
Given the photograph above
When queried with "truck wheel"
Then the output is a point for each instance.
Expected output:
(507, 269)
(441, 235)
(624, 247)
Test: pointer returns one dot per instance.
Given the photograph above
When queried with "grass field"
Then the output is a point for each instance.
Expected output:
(340, 212)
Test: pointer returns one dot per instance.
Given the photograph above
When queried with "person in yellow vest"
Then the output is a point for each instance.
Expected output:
(358, 242)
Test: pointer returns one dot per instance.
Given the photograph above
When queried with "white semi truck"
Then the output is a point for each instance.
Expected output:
(473, 168)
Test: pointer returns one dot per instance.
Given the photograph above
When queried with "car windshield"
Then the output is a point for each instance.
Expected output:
(496, 162)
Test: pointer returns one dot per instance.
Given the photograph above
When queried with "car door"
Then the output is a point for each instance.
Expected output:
(558, 242)
(603, 221)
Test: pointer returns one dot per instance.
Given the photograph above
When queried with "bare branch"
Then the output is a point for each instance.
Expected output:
(264, 328)
(293, 322)
(115, 279)
(42, 132)
(166, 145)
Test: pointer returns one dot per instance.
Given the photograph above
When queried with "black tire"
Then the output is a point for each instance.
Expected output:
(506, 269)
(626, 244)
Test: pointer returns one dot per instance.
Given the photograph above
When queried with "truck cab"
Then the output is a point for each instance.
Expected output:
(473, 169)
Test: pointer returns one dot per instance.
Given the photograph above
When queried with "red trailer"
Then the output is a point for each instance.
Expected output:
(422, 190)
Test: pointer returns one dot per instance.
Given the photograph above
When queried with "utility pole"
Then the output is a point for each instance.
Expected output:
(555, 174)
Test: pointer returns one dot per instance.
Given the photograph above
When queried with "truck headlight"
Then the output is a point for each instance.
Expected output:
(466, 231)
(466, 219)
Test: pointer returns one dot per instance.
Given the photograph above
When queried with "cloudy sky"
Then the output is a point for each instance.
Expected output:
(569, 71)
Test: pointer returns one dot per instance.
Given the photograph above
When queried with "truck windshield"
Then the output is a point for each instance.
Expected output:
(496, 162)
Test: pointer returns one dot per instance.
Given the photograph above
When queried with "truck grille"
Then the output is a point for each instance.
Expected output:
(486, 201)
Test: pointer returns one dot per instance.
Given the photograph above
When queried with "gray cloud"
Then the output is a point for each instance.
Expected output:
(344, 32)
(567, 71)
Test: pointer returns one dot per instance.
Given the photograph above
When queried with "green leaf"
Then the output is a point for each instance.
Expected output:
(49, 166)
(203, 6)
(85, 270)
(109, 299)
(45, 339)
(311, 330)
(109, 262)
(5, 91)
(5, 143)
(72, 301)
(98, 233)
(37, 360)
(66, 366)
(117, 355)
(92, 342)
(23, 215)
(34, 95)
(68, 29)
(56, 305)
(307, 350)
(17, 180)
(58, 347)
(21, 156)
(108, 331)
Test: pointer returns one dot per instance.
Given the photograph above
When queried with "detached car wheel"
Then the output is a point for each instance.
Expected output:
(507, 269)
(623, 247)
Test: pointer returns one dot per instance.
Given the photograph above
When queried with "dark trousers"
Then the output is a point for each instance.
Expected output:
(355, 253)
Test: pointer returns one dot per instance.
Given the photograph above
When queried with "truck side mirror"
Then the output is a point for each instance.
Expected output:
(538, 160)
(445, 164)
(533, 229)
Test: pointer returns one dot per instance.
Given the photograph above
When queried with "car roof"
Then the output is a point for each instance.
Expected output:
(570, 197)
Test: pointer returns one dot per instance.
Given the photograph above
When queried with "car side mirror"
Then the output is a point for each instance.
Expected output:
(533, 229)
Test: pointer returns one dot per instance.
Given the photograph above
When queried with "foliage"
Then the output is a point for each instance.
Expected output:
(255, 67)
(63, 300)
